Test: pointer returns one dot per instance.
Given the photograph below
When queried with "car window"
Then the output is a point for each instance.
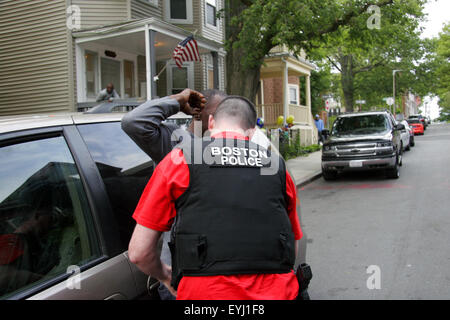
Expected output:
(364, 124)
(45, 221)
(183, 123)
(124, 167)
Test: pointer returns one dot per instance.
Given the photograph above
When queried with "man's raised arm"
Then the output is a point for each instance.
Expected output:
(144, 126)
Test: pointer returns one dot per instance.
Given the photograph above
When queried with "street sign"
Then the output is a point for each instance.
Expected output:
(360, 101)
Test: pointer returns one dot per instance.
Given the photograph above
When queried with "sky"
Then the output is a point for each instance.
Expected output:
(438, 13)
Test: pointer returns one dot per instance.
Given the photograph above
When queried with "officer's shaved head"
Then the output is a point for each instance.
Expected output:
(238, 111)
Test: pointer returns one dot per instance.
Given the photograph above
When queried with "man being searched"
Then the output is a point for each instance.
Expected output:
(108, 94)
(146, 127)
(234, 225)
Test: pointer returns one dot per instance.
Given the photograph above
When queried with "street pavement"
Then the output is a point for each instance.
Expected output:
(402, 226)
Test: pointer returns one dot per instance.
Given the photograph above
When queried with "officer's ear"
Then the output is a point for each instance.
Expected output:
(211, 122)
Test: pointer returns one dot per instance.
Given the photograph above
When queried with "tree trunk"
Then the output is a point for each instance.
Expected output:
(240, 81)
(347, 81)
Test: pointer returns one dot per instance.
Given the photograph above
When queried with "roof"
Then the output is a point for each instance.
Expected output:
(25, 122)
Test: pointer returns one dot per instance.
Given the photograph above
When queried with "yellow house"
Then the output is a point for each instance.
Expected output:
(281, 92)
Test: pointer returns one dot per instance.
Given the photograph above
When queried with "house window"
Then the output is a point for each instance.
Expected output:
(210, 78)
(179, 79)
(179, 11)
(91, 73)
(293, 94)
(211, 6)
(110, 72)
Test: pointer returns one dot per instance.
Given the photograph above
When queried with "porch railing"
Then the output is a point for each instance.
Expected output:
(271, 111)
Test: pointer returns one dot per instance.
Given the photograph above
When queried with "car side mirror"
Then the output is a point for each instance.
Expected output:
(325, 132)
(400, 126)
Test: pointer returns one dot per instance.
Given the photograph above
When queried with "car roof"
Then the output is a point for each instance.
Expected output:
(365, 113)
(25, 122)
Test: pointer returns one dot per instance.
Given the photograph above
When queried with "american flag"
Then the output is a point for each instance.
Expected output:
(186, 50)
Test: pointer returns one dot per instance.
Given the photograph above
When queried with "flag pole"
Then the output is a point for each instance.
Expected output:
(156, 78)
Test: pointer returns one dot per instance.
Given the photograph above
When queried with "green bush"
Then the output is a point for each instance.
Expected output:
(294, 150)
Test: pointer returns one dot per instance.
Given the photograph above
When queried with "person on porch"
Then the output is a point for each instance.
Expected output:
(108, 94)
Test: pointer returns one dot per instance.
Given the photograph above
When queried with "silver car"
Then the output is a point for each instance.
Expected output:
(69, 185)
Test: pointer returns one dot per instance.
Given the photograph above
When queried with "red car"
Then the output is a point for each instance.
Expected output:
(417, 126)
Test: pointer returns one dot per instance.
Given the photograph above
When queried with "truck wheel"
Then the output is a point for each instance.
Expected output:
(329, 175)
(393, 173)
(408, 147)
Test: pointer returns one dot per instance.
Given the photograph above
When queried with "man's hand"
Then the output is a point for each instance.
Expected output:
(167, 279)
(191, 102)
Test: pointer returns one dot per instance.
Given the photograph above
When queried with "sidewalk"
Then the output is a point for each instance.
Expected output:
(305, 169)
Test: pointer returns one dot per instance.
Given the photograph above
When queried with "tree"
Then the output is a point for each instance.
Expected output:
(443, 72)
(356, 50)
(252, 28)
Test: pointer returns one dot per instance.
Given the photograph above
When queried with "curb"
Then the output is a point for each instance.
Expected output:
(316, 175)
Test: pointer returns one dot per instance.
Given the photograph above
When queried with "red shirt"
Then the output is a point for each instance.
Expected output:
(156, 210)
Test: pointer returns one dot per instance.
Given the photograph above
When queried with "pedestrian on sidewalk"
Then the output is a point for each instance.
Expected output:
(320, 127)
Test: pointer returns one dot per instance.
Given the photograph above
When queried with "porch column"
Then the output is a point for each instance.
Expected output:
(285, 92)
(215, 58)
(150, 62)
(308, 98)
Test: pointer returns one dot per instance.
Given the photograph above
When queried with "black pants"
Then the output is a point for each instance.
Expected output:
(319, 133)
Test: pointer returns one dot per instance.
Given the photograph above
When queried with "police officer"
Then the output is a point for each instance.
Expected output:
(231, 206)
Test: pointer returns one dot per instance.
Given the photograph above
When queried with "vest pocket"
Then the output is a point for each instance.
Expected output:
(288, 254)
(191, 251)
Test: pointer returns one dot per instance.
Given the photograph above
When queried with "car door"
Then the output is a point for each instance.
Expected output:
(125, 171)
(54, 242)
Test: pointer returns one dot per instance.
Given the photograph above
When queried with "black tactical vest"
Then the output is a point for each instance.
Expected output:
(232, 219)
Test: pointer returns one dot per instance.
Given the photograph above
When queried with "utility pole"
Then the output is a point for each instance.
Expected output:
(393, 89)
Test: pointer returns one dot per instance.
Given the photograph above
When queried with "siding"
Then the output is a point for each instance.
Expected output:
(34, 57)
(142, 9)
(208, 32)
(102, 12)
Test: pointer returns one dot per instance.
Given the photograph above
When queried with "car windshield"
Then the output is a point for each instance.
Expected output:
(413, 121)
(364, 124)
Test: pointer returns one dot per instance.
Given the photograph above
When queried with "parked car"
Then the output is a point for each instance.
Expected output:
(419, 117)
(405, 136)
(363, 141)
(417, 126)
(410, 131)
(73, 182)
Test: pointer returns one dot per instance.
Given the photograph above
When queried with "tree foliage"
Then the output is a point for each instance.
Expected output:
(255, 27)
(443, 71)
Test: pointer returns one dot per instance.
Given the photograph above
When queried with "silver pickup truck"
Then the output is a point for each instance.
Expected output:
(363, 141)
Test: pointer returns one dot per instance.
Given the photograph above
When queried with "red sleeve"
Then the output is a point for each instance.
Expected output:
(156, 207)
(291, 191)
